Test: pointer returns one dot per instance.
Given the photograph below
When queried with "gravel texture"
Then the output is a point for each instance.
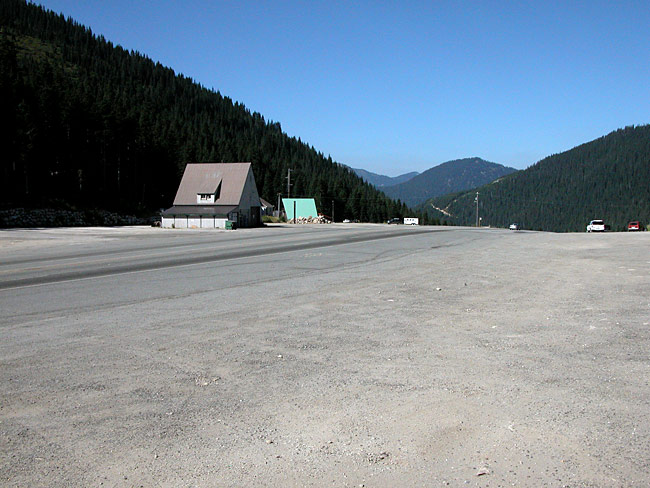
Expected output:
(461, 357)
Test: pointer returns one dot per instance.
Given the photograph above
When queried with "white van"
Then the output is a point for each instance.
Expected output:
(411, 221)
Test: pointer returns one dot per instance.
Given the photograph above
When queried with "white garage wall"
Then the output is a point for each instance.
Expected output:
(181, 222)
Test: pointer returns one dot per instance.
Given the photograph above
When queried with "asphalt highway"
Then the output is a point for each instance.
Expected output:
(130, 254)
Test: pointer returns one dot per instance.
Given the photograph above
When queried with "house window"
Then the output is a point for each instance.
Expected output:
(209, 197)
(205, 198)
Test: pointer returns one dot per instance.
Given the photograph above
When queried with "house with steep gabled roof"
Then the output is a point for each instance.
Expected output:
(211, 194)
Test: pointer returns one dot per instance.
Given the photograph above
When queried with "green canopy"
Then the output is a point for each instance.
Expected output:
(305, 207)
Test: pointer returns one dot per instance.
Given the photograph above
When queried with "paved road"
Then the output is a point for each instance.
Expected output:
(142, 263)
(147, 249)
(324, 355)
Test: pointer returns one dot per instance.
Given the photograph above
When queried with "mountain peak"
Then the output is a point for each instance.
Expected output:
(448, 177)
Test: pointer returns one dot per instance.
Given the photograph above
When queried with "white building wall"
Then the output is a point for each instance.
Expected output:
(181, 222)
(250, 197)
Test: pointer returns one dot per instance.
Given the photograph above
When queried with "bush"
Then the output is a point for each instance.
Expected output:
(267, 219)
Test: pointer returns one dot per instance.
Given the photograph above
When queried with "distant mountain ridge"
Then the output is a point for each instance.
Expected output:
(380, 181)
(449, 177)
(606, 178)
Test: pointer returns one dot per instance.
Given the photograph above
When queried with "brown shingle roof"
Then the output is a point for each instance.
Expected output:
(205, 178)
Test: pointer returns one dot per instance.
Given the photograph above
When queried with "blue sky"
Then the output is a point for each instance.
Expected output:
(393, 87)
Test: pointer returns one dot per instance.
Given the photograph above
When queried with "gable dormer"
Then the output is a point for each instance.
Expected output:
(202, 198)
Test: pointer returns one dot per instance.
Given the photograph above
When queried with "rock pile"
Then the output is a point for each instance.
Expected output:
(49, 217)
(310, 220)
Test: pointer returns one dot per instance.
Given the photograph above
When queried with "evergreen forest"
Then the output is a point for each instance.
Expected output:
(449, 177)
(89, 124)
(608, 178)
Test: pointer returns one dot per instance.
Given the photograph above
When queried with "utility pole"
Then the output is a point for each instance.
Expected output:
(332, 210)
(476, 200)
(289, 183)
(279, 195)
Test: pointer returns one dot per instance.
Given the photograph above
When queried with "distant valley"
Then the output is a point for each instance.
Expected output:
(381, 181)
(450, 177)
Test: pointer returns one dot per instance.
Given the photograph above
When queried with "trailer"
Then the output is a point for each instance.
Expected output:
(411, 221)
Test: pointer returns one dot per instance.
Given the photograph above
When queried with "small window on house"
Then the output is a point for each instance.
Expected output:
(204, 198)
(209, 197)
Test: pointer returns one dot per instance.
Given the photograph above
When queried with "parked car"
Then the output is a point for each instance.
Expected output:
(394, 221)
(634, 225)
(346, 221)
(596, 226)
(514, 226)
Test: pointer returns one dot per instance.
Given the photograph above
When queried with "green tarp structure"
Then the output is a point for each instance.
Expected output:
(305, 207)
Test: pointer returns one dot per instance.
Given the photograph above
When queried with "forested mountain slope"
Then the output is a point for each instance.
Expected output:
(91, 124)
(608, 178)
(452, 176)
(383, 180)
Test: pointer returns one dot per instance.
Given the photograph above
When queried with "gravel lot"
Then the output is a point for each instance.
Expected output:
(461, 357)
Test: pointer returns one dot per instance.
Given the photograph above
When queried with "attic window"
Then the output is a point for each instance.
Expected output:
(209, 197)
(205, 198)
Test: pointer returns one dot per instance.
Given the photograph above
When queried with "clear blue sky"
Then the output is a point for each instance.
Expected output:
(393, 87)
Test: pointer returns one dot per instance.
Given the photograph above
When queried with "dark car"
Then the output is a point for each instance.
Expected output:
(394, 221)
(634, 226)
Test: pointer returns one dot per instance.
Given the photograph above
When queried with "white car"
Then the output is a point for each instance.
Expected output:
(514, 226)
(596, 226)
